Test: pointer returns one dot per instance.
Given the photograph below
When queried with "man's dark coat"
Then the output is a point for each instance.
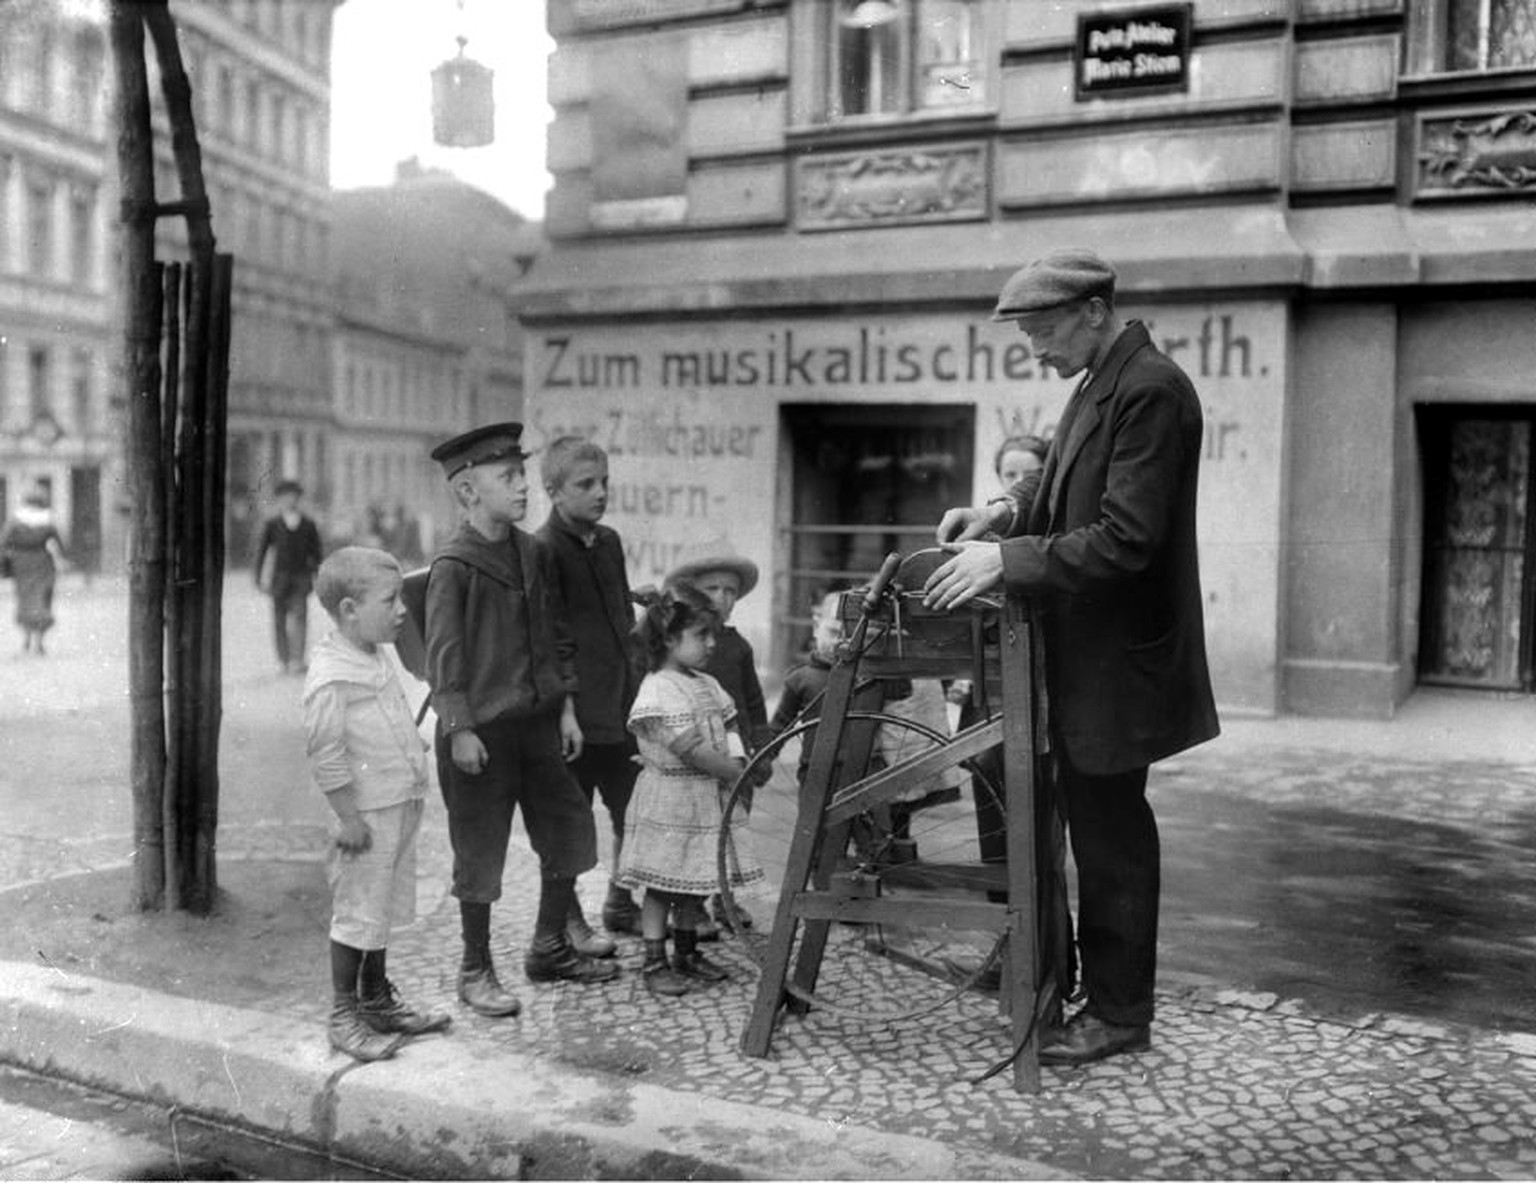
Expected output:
(1107, 551)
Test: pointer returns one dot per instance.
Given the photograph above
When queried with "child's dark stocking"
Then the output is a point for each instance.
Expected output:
(555, 896)
(686, 958)
(660, 978)
(346, 965)
(475, 924)
(372, 979)
(348, 1033)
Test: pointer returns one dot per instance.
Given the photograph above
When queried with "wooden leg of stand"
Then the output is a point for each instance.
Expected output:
(1019, 776)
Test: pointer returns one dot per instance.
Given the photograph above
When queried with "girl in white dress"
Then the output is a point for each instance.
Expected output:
(691, 754)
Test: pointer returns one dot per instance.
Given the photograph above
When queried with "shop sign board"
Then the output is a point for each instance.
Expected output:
(1133, 51)
(690, 416)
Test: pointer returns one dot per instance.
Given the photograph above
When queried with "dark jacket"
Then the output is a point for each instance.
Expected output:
(295, 553)
(496, 639)
(734, 667)
(1107, 550)
(594, 588)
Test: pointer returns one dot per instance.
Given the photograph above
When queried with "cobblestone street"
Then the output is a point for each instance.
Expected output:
(1284, 1045)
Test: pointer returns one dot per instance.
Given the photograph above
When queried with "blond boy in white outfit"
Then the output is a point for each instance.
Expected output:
(369, 760)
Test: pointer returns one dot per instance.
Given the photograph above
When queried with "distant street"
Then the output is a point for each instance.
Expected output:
(64, 789)
(1359, 866)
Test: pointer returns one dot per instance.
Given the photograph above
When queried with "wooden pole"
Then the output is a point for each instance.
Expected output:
(175, 283)
(196, 592)
(215, 437)
(184, 145)
(141, 373)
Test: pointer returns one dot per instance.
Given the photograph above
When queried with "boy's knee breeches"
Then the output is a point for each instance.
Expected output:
(524, 768)
(374, 891)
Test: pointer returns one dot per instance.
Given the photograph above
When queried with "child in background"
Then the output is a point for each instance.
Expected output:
(691, 752)
(921, 701)
(589, 567)
(370, 762)
(725, 577)
(807, 682)
(501, 664)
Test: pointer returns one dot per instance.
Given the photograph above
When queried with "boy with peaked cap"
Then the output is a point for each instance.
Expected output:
(594, 586)
(501, 665)
(714, 568)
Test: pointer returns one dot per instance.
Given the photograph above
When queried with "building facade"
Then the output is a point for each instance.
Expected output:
(779, 225)
(57, 434)
(261, 99)
(260, 74)
(427, 344)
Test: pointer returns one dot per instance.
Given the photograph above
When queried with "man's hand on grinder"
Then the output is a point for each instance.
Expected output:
(975, 569)
(967, 522)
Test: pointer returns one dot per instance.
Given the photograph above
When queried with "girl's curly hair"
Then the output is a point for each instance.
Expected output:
(667, 614)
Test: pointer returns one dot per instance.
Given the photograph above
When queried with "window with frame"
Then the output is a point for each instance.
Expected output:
(39, 382)
(82, 395)
(40, 228)
(82, 228)
(890, 58)
(1472, 36)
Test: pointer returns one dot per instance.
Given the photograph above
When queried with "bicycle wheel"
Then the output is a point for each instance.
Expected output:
(883, 971)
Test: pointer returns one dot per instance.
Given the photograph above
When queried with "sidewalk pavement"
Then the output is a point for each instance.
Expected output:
(606, 1081)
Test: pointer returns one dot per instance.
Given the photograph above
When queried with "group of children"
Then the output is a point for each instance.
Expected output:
(547, 692)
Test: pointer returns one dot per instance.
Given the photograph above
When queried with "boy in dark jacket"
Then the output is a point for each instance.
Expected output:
(594, 587)
(287, 557)
(501, 665)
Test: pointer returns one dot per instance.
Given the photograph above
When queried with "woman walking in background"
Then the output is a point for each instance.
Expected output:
(31, 552)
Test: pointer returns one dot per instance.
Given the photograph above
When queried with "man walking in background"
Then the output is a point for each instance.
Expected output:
(287, 557)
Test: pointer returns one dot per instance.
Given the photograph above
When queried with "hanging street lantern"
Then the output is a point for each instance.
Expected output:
(463, 109)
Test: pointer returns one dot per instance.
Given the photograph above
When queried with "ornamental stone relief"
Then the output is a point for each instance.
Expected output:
(1494, 152)
(876, 188)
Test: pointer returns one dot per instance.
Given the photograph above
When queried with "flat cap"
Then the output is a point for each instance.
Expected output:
(481, 445)
(1054, 279)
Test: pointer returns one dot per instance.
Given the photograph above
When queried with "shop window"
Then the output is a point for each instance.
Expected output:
(890, 58)
(865, 480)
(1472, 36)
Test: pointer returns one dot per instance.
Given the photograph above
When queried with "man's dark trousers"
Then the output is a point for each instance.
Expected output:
(1115, 845)
(290, 618)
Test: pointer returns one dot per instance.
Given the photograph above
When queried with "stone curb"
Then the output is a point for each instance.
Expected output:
(442, 1108)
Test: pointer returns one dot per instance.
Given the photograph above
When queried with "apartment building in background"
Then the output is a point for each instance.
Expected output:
(427, 344)
(346, 362)
(778, 228)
